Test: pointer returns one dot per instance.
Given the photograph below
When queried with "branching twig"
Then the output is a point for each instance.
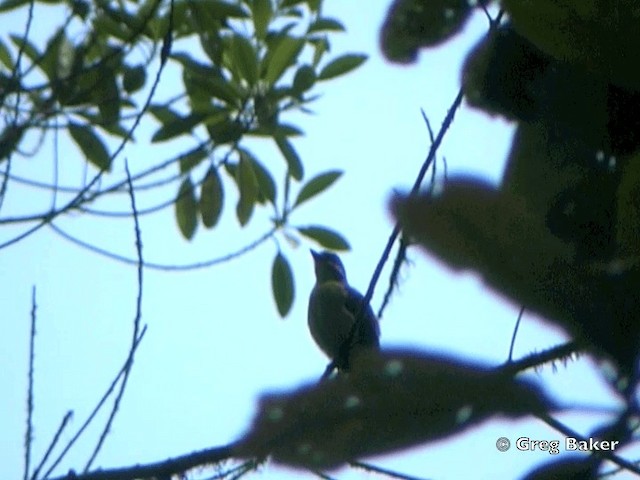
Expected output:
(95, 411)
(136, 326)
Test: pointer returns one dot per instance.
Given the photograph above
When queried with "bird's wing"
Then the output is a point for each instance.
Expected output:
(369, 330)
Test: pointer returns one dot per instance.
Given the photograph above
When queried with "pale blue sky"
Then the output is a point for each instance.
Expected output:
(214, 340)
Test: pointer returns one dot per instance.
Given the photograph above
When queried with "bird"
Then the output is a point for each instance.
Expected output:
(333, 308)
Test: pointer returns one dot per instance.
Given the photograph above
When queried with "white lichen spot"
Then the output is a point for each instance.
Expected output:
(472, 3)
(393, 368)
(449, 13)
(352, 401)
(464, 414)
(600, 156)
(612, 162)
(275, 413)
(633, 422)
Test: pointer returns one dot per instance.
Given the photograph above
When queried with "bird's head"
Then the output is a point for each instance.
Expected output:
(328, 267)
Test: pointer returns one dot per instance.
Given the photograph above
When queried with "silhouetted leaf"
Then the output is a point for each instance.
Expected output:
(282, 284)
(317, 185)
(341, 65)
(91, 145)
(413, 24)
(471, 225)
(325, 237)
(211, 198)
(186, 209)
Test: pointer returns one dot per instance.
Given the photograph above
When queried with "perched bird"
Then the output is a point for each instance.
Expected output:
(333, 307)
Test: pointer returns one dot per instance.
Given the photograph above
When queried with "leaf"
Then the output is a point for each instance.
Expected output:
(211, 198)
(304, 79)
(243, 58)
(91, 145)
(325, 237)
(326, 24)
(248, 185)
(341, 65)
(226, 131)
(282, 284)
(472, 225)
(391, 400)
(412, 24)
(262, 12)
(281, 56)
(177, 127)
(266, 184)
(186, 209)
(192, 158)
(133, 78)
(291, 156)
(317, 185)
(7, 5)
(5, 56)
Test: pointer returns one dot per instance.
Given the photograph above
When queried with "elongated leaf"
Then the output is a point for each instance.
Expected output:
(91, 145)
(192, 158)
(211, 198)
(341, 65)
(186, 209)
(282, 56)
(326, 24)
(5, 56)
(317, 185)
(262, 13)
(244, 59)
(266, 184)
(282, 284)
(325, 237)
(291, 156)
(177, 127)
(248, 185)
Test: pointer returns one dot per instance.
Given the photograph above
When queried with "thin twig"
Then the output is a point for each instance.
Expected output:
(28, 437)
(161, 266)
(136, 326)
(52, 444)
(515, 332)
(163, 469)
(568, 432)
(95, 411)
(347, 344)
